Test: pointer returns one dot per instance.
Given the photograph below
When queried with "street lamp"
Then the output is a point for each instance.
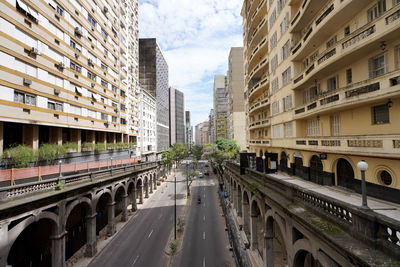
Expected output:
(187, 179)
(175, 206)
(363, 166)
(59, 171)
(263, 160)
(111, 164)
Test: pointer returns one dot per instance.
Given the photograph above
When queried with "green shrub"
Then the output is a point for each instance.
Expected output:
(20, 156)
(88, 145)
(70, 146)
(48, 152)
(111, 145)
(172, 246)
(99, 147)
(59, 186)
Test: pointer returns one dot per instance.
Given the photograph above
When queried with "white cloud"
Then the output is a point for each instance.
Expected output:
(195, 37)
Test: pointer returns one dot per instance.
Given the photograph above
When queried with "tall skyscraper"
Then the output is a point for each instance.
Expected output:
(323, 90)
(177, 116)
(236, 116)
(69, 72)
(153, 77)
(188, 130)
(220, 106)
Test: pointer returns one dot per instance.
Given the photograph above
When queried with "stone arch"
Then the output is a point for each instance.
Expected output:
(276, 249)
(239, 200)
(146, 185)
(34, 231)
(246, 213)
(316, 170)
(303, 255)
(116, 188)
(78, 201)
(139, 189)
(257, 229)
(283, 161)
(104, 207)
(131, 191)
(298, 160)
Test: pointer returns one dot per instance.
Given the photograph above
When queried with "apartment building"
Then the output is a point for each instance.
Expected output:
(204, 133)
(236, 118)
(220, 106)
(188, 130)
(211, 127)
(323, 89)
(147, 138)
(153, 77)
(177, 116)
(197, 137)
(69, 72)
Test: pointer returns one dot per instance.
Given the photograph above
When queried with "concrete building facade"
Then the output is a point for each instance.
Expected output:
(204, 133)
(220, 106)
(188, 130)
(147, 138)
(211, 127)
(69, 73)
(236, 118)
(153, 77)
(322, 88)
(177, 116)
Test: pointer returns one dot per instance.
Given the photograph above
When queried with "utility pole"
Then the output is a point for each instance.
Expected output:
(175, 206)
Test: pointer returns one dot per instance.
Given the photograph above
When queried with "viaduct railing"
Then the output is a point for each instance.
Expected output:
(378, 230)
(22, 190)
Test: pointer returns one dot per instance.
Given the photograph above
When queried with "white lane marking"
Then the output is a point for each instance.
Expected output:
(204, 195)
(137, 257)
(204, 235)
(204, 218)
(204, 261)
(150, 234)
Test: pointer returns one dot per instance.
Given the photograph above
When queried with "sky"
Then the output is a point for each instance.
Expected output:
(195, 36)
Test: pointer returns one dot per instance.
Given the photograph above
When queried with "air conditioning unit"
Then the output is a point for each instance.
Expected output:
(76, 55)
(57, 91)
(105, 9)
(116, 110)
(27, 81)
(92, 85)
(34, 51)
(90, 62)
(61, 65)
(78, 31)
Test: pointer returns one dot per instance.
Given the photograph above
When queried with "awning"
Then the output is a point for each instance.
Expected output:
(78, 90)
(96, 96)
(28, 9)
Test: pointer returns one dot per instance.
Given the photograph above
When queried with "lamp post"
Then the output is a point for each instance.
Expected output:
(175, 206)
(59, 171)
(363, 166)
(111, 165)
(187, 179)
(263, 160)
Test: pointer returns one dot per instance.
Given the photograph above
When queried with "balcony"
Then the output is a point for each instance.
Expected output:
(364, 144)
(364, 40)
(259, 124)
(257, 30)
(258, 51)
(359, 93)
(257, 14)
(261, 103)
(260, 142)
(305, 14)
(328, 21)
(258, 86)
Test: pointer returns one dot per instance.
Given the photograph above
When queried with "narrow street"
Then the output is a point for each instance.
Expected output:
(143, 240)
(205, 242)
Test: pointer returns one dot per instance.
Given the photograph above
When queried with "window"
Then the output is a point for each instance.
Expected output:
(91, 20)
(287, 103)
(75, 110)
(335, 125)
(281, 4)
(59, 10)
(276, 131)
(274, 85)
(272, 19)
(286, 50)
(332, 83)
(313, 127)
(349, 76)
(385, 177)
(104, 66)
(377, 10)
(91, 76)
(273, 40)
(114, 119)
(274, 63)
(377, 66)
(114, 89)
(285, 23)
(347, 31)
(288, 127)
(286, 76)
(104, 33)
(380, 114)
(54, 105)
(24, 98)
(331, 42)
(104, 116)
(75, 46)
(397, 50)
(76, 67)
(104, 83)
(275, 108)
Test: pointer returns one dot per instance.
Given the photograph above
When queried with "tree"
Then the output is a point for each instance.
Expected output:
(221, 151)
(197, 152)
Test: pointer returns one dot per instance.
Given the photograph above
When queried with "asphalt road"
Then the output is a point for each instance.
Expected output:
(205, 243)
(142, 241)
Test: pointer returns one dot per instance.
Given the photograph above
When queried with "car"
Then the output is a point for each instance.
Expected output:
(200, 174)
(206, 172)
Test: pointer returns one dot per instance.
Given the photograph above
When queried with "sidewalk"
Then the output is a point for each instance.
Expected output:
(389, 209)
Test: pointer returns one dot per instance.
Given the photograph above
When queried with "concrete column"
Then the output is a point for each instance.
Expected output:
(58, 237)
(239, 204)
(56, 135)
(146, 187)
(91, 244)
(124, 216)
(151, 185)
(30, 135)
(253, 242)
(4, 242)
(91, 137)
(76, 136)
(111, 219)
(234, 196)
(113, 138)
(134, 202)
(1, 137)
(155, 182)
(268, 250)
(140, 192)
(246, 218)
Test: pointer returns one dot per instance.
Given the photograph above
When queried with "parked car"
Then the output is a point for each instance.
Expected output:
(206, 172)
(200, 174)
